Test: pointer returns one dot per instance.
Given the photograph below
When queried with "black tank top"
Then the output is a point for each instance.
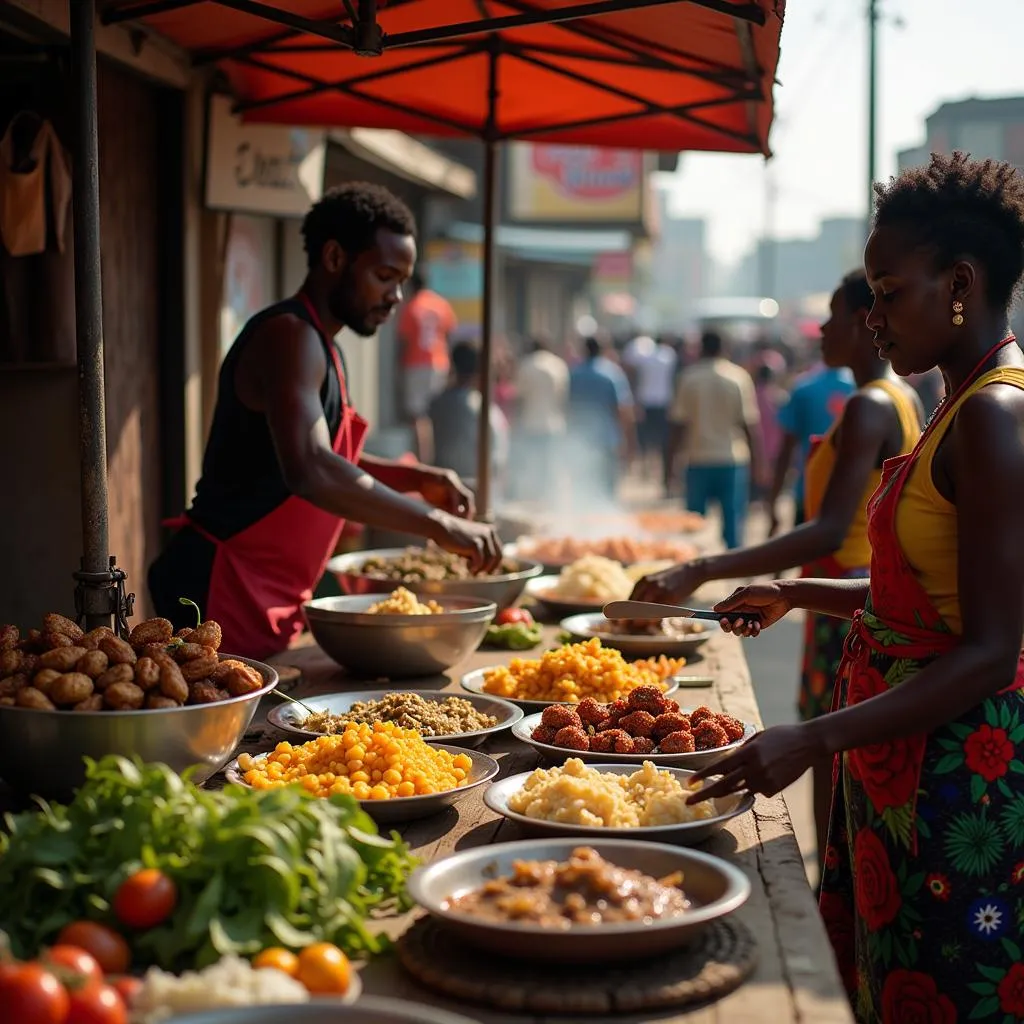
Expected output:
(242, 480)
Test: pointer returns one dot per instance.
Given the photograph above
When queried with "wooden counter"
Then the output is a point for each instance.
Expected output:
(796, 977)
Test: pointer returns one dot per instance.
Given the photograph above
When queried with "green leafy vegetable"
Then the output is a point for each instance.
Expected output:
(253, 868)
(516, 636)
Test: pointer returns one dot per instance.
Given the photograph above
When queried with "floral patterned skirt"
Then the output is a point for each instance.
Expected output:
(931, 932)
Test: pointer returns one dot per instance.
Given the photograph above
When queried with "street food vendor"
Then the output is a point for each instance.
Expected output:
(284, 466)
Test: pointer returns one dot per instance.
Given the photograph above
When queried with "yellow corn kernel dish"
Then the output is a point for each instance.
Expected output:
(569, 674)
(369, 762)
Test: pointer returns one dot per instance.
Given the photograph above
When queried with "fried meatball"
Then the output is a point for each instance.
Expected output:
(677, 743)
(732, 727)
(590, 711)
(543, 734)
(638, 723)
(669, 723)
(643, 745)
(614, 741)
(572, 737)
(616, 709)
(604, 725)
(647, 698)
(709, 735)
(559, 716)
(701, 714)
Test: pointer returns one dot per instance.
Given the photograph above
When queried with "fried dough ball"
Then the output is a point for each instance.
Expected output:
(616, 709)
(591, 712)
(643, 745)
(709, 735)
(544, 734)
(678, 743)
(612, 741)
(647, 698)
(638, 723)
(665, 725)
(733, 727)
(572, 737)
(701, 714)
(559, 716)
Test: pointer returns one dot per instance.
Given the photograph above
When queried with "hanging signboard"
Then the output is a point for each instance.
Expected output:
(456, 271)
(583, 184)
(263, 169)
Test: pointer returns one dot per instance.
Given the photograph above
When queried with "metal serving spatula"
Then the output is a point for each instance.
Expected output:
(650, 610)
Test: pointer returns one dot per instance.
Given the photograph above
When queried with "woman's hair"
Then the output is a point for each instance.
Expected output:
(856, 291)
(962, 207)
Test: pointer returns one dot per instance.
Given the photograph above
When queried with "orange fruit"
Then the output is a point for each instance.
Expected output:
(324, 969)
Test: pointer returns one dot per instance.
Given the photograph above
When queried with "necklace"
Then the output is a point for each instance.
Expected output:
(1009, 339)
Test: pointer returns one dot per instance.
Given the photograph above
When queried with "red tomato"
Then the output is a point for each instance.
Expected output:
(127, 987)
(74, 962)
(96, 1004)
(146, 899)
(511, 616)
(30, 994)
(109, 949)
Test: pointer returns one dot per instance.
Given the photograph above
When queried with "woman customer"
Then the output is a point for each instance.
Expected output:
(924, 880)
(882, 419)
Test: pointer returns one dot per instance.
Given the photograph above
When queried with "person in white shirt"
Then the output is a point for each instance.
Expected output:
(542, 386)
(651, 367)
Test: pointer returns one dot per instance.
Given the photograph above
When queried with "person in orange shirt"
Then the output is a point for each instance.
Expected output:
(424, 330)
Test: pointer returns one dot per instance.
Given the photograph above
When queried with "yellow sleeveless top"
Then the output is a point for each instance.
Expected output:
(855, 551)
(926, 524)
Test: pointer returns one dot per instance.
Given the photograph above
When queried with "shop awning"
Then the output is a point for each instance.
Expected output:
(409, 158)
(555, 243)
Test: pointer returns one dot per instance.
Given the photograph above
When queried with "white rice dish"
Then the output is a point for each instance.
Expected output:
(231, 981)
(593, 578)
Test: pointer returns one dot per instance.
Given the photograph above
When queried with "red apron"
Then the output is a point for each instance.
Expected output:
(264, 574)
(900, 608)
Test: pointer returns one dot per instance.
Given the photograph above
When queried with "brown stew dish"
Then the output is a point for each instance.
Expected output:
(585, 890)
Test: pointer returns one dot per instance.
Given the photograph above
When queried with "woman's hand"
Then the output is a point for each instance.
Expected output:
(670, 586)
(444, 490)
(766, 763)
(764, 603)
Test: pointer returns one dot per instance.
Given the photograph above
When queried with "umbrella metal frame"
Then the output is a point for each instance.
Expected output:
(100, 593)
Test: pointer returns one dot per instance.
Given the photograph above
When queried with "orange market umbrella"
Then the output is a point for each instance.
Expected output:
(665, 75)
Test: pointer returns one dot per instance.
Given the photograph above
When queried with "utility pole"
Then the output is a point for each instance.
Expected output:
(766, 265)
(873, 19)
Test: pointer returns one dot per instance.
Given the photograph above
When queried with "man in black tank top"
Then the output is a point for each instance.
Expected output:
(280, 401)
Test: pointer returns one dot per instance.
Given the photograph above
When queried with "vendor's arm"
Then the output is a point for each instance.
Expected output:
(280, 375)
(783, 464)
(987, 476)
(760, 605)
(865, 427)
(440, 487)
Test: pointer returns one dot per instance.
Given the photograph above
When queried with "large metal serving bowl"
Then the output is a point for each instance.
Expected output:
(41, 751)
(398, 646)
(368, 1010)
(715, 887)
(504, 590)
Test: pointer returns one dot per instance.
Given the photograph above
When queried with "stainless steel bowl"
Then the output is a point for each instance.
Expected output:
(369, 1010)
(410, 808)
(288, 716)
(41, 751)
(714, 886)
(398, 646)
(504, 590)
(686, 833)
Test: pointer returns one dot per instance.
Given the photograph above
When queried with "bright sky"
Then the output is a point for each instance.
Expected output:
(930, 51)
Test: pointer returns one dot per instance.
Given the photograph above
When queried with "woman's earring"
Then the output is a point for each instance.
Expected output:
(958, 313)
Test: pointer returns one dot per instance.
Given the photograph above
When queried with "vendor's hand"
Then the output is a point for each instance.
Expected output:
(670, 586)
(763, 604)
(766, 763)
(444, 490)
(478, 543)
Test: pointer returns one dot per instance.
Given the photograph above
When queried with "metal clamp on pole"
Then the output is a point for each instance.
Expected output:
(103, 595)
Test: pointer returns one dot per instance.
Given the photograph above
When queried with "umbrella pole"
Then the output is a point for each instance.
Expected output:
(96, 579)
(490, 213)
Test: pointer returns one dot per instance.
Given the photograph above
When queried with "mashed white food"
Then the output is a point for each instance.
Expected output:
(593, 578)
(231, 981)
(576, 794)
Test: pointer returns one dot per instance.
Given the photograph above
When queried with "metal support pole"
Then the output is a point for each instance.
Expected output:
(490, 215)
(96, 600)
(873, 17)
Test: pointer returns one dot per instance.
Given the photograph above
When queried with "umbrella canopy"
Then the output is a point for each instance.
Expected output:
(664, 75)
(644, 74)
